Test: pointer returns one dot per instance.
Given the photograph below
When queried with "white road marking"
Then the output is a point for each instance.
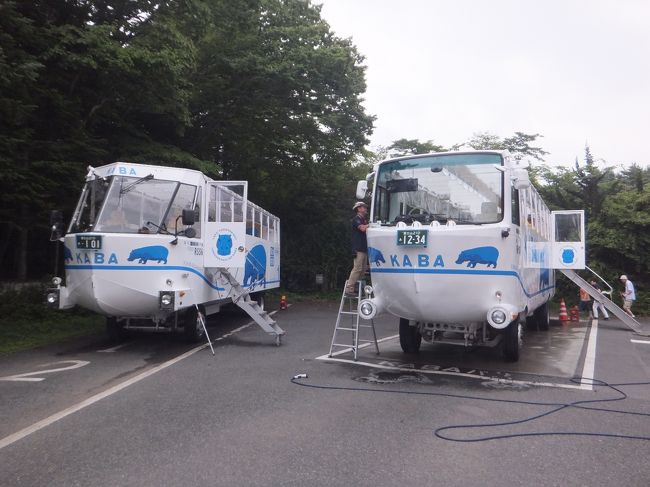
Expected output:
(326, 357)
(589, 367)
(8, 440)
(28, 376)
(116, 347)
(640, 341)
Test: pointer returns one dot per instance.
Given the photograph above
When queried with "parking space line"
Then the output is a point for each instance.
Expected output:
(116, 347)
(8, 440)
(640, 341)
(589, 367)
(584, 385)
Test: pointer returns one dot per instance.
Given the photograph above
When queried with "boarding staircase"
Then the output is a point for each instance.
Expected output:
(349, 307)
(241, 297)
(601, 298)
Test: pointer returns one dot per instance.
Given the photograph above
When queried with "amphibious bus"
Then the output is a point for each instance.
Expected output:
(459, 249)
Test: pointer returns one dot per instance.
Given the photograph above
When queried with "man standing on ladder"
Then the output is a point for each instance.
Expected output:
(359, 247)
(629, 295)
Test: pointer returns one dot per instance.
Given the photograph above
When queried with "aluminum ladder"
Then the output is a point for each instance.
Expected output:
(241, 297)
(608, 303)
(350, 307)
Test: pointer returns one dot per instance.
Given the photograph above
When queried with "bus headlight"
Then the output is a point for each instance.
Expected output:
(52, 298)
(57, 281)
(501, 316)
(368, 290)
(166, 300)
(367, 309)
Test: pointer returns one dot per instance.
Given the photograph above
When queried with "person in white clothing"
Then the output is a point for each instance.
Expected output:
(629, 295)
(597, 304)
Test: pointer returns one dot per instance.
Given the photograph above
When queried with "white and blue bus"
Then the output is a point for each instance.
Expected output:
(459, 249)
(154, 248)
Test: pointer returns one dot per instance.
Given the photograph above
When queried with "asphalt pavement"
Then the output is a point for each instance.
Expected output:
(159, 411)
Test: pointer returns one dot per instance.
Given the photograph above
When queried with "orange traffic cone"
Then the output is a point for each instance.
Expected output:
(563, 314)
(283, 302)
(575, 314)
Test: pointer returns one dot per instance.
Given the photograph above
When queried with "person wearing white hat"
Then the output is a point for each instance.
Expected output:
(359, 247)
(629, 295)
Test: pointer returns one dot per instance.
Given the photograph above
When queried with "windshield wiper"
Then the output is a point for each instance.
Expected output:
(129, 187)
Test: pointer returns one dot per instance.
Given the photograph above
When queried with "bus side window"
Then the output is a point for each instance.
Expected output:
(197, 208)
(249, 219)
(265, 226)
(258, 222)
(515, 206)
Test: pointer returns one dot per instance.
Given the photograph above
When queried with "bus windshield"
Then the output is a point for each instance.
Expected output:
(123, 204)
(465, 188)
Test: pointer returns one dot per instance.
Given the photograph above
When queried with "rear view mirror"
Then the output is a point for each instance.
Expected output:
(520, 179)
(362, 189)
(189, 217)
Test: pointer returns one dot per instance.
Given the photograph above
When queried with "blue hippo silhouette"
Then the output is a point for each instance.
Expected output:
(255, 269)
(224, 244)
(154, 252)
(479, 255)
(375, 256)
(568, 256)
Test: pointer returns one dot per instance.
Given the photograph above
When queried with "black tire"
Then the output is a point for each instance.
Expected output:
(259, 299)
(192, 327)
(409, 337)
(115, 330)
(541, 318)
(512, 340)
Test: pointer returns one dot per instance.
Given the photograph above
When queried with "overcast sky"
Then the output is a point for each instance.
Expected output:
(575, 71)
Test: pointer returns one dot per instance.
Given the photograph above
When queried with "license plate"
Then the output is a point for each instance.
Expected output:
(89, 242)
(412, 237)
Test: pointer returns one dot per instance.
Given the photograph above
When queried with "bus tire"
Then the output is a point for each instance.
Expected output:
(409, 337)
(541, 317)
(192, 327)
(115, 330)
(512, 341)
(259, 299)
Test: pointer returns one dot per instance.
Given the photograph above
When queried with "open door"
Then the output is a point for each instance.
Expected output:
(225, 224)
(568, 244)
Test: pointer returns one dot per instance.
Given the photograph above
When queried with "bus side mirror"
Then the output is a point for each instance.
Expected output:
(520, 179)
(362, 189)
(189, 217)
(56, 217)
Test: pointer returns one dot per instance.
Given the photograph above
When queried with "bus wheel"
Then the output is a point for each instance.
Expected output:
(115, 330)
(542, 318)
(259, 299)
(409, 337)
(512, 340)
(192, 327)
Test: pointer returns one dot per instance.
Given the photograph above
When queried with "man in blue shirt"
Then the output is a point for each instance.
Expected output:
(359, 247)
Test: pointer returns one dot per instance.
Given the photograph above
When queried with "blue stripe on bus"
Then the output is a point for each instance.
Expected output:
(461, 271)
(150, 268)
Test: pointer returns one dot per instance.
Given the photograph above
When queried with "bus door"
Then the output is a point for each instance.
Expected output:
(568, 242)
(225, 224)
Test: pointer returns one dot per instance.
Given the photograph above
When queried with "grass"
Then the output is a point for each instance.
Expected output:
(26, 323)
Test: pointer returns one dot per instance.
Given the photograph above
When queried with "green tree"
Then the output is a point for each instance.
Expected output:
(414, 146)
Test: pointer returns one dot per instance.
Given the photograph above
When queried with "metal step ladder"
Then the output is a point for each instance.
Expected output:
(608, 303)
(349, 307)
(241, 297)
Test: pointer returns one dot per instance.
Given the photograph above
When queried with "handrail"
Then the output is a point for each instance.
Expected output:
(611, 289)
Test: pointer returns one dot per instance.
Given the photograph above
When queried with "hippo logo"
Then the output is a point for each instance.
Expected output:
(67, 254)
(154, 252)
(255, 265)
(375, 256)
(568, 256)
(479, 255)
(224, 244)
